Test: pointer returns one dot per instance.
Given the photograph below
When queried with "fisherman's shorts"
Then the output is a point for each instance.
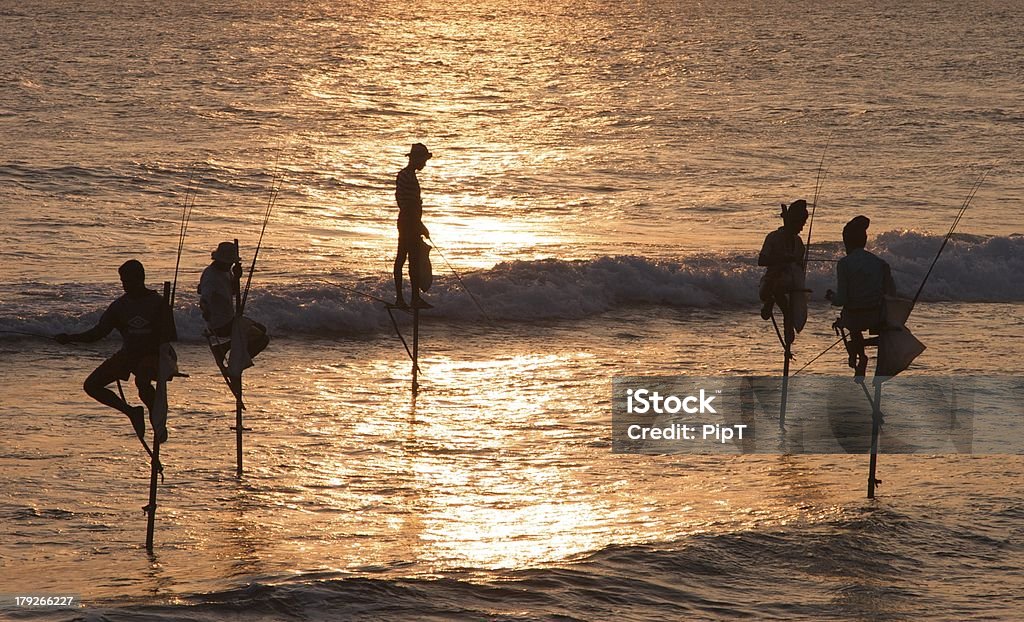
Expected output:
(121, 365)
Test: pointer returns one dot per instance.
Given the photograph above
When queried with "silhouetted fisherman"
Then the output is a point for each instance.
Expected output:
(218, 291)
(410, 225)
(783, 254)
(145, 322)
(863, 281)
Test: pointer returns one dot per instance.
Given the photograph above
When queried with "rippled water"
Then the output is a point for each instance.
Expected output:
(604, 174)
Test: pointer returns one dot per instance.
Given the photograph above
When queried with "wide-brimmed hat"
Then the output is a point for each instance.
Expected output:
(419, 150)
(226, 252)
(795, 209)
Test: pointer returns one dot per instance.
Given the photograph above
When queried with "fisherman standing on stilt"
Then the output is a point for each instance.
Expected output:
(218, 289)
(783, 254)
(863, 281)
(145, 322)
(410, 226)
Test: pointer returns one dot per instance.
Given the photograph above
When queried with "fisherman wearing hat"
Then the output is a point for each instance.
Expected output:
(783, 255)
(145, 322)
(863, 281)
(410, 225)
(218, 286)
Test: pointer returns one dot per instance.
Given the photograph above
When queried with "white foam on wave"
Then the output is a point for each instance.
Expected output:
(971, 269)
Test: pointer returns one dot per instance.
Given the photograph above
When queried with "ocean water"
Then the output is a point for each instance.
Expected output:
(604, 174)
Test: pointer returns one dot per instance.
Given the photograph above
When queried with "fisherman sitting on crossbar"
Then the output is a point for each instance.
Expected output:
(145, 322)
(863, 281)
(218, 291)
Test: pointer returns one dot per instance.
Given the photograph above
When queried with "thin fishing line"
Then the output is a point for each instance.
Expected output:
(461, 282)
(818, 357)
(949, 234)
(356, 291)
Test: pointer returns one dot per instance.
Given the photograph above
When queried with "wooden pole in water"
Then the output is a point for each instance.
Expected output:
(785, 386)
(154, 462)
(415, 348)
(876, 424)
(238, 380)
(238, 429)
(787, 354)
(151, 508)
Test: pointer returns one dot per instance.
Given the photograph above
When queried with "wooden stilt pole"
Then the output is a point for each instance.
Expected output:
(239, 304)
(154, 470)
(415, 348)
(154, 459)
(238, 427)
(787, 352)
(876, 424)
(785, 388)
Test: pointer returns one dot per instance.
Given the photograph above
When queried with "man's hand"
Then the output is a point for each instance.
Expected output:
(62, 338)
(426, 233)
(829, 294)
(236, 270)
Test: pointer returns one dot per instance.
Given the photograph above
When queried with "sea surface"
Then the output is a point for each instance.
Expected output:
(603, 176)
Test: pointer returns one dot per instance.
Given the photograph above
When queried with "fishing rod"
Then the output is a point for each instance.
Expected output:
(789, 316)
(186, 217)
(949, 234)
(461, 282)
(819, 182)
(275, 189)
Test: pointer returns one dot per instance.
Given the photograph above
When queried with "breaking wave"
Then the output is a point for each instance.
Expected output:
(971, 269)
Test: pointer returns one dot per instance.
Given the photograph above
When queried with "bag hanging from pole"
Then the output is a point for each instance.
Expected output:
(421, 268)
(239, 359)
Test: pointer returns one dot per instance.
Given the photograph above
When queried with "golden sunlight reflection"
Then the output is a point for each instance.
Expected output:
(499, 462)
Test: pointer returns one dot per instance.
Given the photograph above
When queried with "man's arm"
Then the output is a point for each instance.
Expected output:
(101, 330)
(775, 251)
(888, 284)
(767, 255)
(840, 296)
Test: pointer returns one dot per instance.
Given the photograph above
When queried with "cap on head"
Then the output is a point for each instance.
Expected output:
(226, 252)
(132, 271)
(855, 233)
(420, 151)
